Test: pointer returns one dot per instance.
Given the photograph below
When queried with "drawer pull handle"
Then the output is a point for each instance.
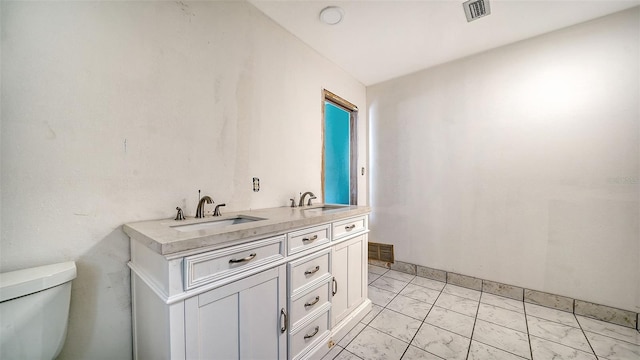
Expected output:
(283, 314)
(315, 270)
(350, 227)
(312, 303)
(248, 258)
(314, 237)
(309, 336)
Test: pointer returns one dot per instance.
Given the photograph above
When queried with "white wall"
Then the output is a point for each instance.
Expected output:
(114, 112)
(518, 165)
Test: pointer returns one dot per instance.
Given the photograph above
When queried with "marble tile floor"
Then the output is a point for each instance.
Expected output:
(419, 318)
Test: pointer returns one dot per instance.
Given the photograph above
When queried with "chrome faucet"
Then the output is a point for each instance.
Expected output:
(216, 211)
(304, 196)
(200, 209)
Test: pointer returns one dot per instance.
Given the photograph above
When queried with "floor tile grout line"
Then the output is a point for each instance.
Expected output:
(409, 316)
(526, 322)
(345, 349)
(473, 329)
(607, 336)
(464, 297)
(426, 287)
(397, 338)
(610, 337)
(492, 346)
(506, 327)
(502, 307)
(585, 337)
(406, 283)
(383, 308)
(457, 312)
(386, 274)
(565, 345)
(559, 343)
(503, 350)
(420, 327)
(554, 321)
(356, 335)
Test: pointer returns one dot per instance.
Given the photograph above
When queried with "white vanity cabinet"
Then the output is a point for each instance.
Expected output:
(288, 293)
(239, 320)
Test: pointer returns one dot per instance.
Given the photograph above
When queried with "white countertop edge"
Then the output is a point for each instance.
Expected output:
(159, 236)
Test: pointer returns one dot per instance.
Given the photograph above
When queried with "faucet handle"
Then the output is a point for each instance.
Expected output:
(312, 197)
(293, 203)
(180, 214)
(216, 211)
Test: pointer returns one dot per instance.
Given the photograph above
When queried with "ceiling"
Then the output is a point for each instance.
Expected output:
(381, 40)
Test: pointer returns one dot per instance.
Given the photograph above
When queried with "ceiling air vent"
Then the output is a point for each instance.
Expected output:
(475, 9)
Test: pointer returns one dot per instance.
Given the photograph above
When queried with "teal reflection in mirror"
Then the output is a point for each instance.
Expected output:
(337, 154)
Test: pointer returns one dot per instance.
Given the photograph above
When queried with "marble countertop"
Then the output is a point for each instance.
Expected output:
(163, 238)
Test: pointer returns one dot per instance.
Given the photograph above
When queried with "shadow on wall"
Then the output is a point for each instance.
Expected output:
(101, 294)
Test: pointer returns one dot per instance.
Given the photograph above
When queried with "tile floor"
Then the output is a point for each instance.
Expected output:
(419, 318)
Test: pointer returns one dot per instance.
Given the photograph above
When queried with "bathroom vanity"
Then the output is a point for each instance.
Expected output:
(280, 283)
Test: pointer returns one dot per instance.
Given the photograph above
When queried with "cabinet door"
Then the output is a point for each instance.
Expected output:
(241, 320)
(354, 272)
(349, 285)
(339, 270)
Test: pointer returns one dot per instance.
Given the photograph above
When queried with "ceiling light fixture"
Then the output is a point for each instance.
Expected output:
(331, 15)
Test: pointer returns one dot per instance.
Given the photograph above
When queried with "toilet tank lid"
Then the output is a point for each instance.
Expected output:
(23, 282)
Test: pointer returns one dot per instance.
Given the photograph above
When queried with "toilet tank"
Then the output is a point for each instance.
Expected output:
(34, 311)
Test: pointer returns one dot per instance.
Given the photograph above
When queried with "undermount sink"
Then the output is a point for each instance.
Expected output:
(325, 207)
(216, 223)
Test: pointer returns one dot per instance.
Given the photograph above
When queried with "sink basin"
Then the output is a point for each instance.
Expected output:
(215, 223)
(325, 208)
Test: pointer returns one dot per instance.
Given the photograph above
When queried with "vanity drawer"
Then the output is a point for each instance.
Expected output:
(308, 269)
(308, 335)
(305, 304)
(347, 227)
(211, 266)
(308, 238)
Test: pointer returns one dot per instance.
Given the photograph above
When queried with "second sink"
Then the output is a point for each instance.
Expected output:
(325, 207)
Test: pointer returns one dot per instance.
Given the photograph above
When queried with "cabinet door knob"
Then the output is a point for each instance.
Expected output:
(283, 314)
(248, 258)
(315, 270)
(334, 291)
(350, 227)
(312, 303)
(312, 238)
(309, 336)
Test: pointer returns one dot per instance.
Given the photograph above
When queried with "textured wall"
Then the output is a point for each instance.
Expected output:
(114, 112)
(520, 164)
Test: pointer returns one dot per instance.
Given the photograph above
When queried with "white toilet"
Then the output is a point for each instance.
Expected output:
(34, 311)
